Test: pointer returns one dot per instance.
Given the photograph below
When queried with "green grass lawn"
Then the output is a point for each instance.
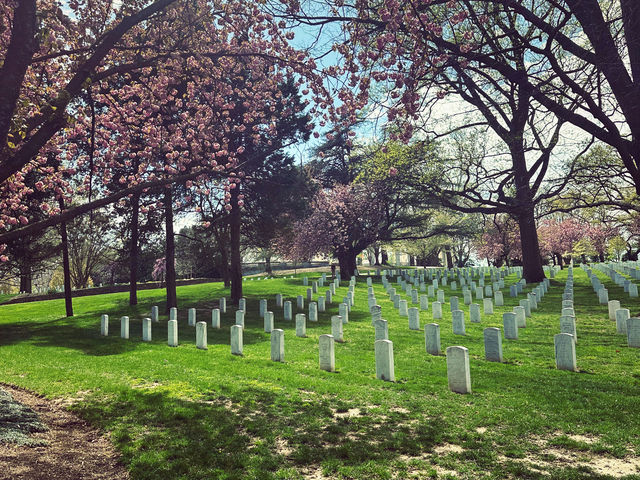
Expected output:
(187, 413)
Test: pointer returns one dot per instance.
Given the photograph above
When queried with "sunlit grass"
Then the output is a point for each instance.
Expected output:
(187, 413)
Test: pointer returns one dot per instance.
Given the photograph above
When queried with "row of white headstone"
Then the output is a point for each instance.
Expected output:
(625, 324)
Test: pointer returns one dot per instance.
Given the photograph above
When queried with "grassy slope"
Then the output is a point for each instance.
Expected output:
(185, 413)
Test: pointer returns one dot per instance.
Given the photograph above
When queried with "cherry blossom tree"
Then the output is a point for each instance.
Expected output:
(500, 242)
(344, 221)
(166, 62)
(558, 237)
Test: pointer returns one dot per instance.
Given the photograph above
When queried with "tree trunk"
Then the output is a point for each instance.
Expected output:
(385, 257)
(133, 250)
(601, 257)
(376, 255)
(559, 260)
(532, 270)
(267, 265)
(347, 263)
(170, 250)
(447, 253)
(25, 279)
(236, 258)
(68, 302)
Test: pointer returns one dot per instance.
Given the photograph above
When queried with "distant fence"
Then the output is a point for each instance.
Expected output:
(259, 267)
(83, 292)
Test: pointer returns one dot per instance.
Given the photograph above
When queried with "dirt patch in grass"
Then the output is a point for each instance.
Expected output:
(558, 456)
(73, 449)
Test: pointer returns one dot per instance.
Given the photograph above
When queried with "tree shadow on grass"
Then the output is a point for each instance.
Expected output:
(251, 433)
(88, 340)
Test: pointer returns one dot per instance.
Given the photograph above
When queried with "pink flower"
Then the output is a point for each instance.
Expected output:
(393, 171)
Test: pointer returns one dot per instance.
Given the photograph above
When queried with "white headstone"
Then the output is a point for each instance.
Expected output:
(603, 296)
(474, 313)
(336, 328)
(240, 318)
(498, 298)
(376, 313)
(633, 290)
(488, 306)
(381, 329)
(613, 306)
(510, 325)
(173, 313)
(124, 327)
(453, 301)
(533, 300)
(146, 329)
(492, 344)
(322, 305)
(268, 321)
(403, 308)
(568, 325)
(288, 313)
(263, 307)
(155, 314)
(242, 304)
(622, 315)
(223, 305)
(343, 312)
(521, 316)
(424, 302)
(527, 307)
(440, 296)
(201, 335)
(565, 348)
(277, 345)
(466, 295)
(313, 312)
(327, 353)
(436, 309)
(279, 300)
(301, 325)
(458, 373)
(479, 293)
(432, 338)
(414, 318)
(236, 340)
(215, 318)
(172, 333)
(300, 302)
(192, 317)
(384, 360)
(458, 322)
(633, 332)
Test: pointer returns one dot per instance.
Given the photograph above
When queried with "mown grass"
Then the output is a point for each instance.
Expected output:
(187, 413)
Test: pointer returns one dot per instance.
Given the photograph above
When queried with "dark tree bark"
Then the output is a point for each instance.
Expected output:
(376, 255)
(385, 257)
(22, 47)
(532, 269)
(133, 250)
(68, 302)
(236, 258)
(267, 265)
(449, 258)
(558, 258)
(170, 250)
(25, 279)
(347, 264)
